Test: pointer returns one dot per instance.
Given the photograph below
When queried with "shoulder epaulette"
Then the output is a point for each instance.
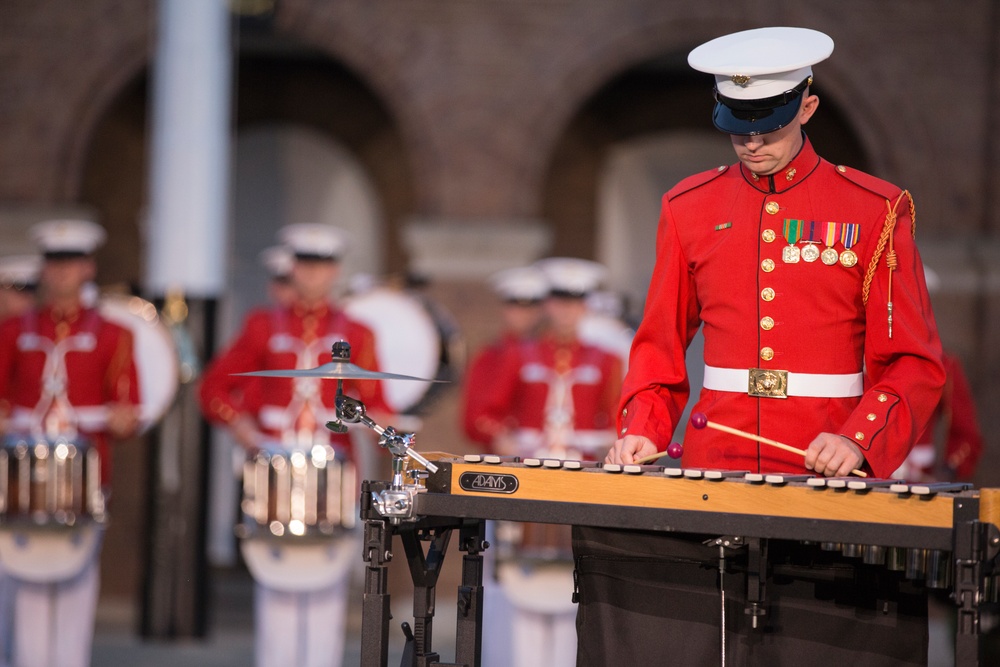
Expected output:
(696, 181)
(883, 189)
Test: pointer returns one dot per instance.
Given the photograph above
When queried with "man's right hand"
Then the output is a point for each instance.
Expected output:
(245, 431)
(630, 448)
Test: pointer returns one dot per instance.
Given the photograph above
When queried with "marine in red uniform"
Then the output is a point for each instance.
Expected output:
(818, 333)
(522, 291)
(64, 369)
(301, 585)
(802, 277)
(556, 395)
(298, 335)
(67, 373)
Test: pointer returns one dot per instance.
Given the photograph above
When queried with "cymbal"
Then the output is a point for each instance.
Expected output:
(335, 370)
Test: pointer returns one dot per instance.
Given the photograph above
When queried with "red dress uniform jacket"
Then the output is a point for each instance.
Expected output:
(719, 264)
(521, 398)
(479, 425)
(288, 338)
(79, 356)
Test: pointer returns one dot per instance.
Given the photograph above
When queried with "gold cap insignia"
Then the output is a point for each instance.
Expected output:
(740, 80)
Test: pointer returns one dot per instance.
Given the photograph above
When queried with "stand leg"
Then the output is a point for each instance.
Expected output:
(375, 613)
(469, 632)
(424, 570)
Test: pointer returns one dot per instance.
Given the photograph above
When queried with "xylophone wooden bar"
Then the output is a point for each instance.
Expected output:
(656, 499)
(956, 527)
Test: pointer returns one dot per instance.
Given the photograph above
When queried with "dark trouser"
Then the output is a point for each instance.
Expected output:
(648, 598)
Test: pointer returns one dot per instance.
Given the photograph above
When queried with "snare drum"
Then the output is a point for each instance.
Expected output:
(50, 482)
(298, 493)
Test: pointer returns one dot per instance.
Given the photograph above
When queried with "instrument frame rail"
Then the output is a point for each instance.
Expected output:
(964, 523)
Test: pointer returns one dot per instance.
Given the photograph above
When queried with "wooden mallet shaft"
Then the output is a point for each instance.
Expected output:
(698, 420)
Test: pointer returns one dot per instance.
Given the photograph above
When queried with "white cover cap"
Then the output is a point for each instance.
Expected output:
(19, 271)
(570, 276)
(277, 260)
(522, 284)
(765, 65)
(313, 240)
(68, 237)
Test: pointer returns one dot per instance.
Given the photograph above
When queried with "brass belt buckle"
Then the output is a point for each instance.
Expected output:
(767, 383)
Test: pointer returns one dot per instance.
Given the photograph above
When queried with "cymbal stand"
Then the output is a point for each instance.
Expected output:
(396, 502)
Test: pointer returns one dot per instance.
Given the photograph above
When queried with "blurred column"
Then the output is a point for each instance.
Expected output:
(185, 250)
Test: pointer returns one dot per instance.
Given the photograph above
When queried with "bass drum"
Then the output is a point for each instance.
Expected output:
(155, 355)
(409, 340)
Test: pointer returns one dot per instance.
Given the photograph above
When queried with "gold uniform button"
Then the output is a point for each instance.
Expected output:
(624, 412)
(767, 294)
(859, 436)
(768, 235)
(767, 265)
(766, 353)
(722, 167)
(841, 168)
(766, 323)
(871, 416)
(772, 207)
(882, 398)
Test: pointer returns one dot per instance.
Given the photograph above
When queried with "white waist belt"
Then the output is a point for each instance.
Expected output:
(813, 385)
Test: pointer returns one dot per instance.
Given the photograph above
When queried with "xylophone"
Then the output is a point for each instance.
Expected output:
(946, 533)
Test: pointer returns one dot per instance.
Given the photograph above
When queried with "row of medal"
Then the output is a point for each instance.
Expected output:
(812, 234)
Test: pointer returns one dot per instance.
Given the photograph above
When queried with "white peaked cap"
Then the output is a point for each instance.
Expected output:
(771, 60)
(72, 237)
(760, 75)
(570, 276)
(19, 271)
(277, 260)
(314, 240)
(523, 283)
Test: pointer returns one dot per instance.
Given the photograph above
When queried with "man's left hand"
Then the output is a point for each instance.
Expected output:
(123, 420)
(833, 455)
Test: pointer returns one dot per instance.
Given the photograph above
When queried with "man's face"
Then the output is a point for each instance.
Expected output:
(564, 314)
(766, 154)
(313, 279)
(62, 278)
(521, 319)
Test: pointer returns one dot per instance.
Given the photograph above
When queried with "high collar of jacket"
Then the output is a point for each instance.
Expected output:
(803, 164)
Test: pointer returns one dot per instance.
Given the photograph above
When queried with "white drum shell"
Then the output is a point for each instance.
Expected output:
(48, 556)
(300, 567)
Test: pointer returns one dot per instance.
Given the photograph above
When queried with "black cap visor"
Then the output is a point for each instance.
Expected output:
(750, 117)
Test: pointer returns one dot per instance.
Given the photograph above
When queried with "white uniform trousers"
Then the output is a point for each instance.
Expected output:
(54, 622)
(300, 600)
(543, 619)
(6, 617)
(497, 632)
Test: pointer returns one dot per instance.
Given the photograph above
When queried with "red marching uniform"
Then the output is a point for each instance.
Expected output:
(477, 420)
(63, 369)
(720, 264)
(553, 396)
(289, 338)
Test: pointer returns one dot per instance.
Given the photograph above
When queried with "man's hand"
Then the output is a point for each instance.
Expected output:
(245, 430)
(123, 420)
(630, 448)
(833, 455)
